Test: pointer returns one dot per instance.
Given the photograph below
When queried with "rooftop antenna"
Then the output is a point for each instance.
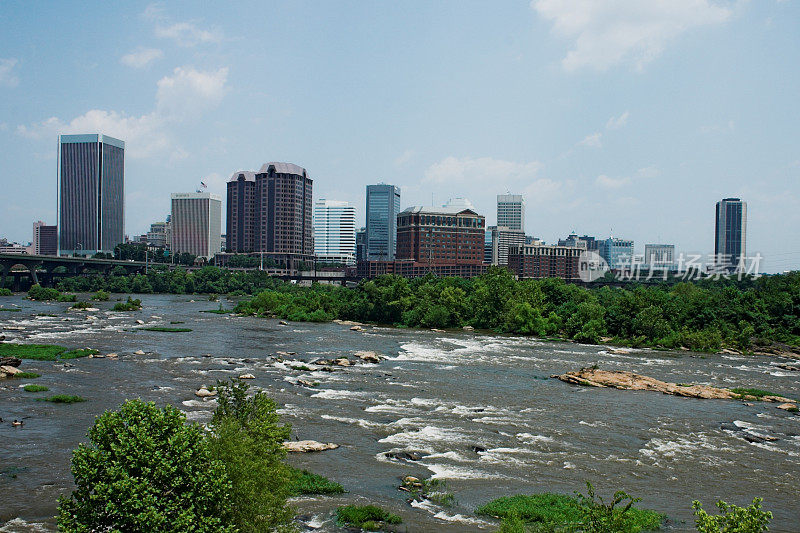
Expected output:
(202, 186)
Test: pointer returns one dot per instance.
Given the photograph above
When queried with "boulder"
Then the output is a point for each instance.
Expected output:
(347, 322)
(112, 355)
(406, 456)
(779, 399)
(468, 328)
(10, 361)
(286, 354)
(306, 446)
(203, 392)
(139, 352)
(617, 351)
(8, 370)
(788, 406)
(620, 379)
(478, 449)
(368, 357)
(343, 361)
(307, 383)
(728, 351)
(791, 368)
(138, 321)
(247, 376)
(437, 330)
(356, 328)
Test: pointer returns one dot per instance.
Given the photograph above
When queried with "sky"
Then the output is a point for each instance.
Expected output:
(613, 117)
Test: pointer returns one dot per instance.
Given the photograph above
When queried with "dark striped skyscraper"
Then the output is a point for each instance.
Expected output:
(383, 206)
(730, 237)
(91, 178)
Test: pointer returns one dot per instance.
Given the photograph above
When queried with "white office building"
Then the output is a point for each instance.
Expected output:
(511, 211)
(659, 256)
(334, 231)
(196, 223)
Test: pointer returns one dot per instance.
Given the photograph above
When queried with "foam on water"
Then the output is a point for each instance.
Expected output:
(442, 471)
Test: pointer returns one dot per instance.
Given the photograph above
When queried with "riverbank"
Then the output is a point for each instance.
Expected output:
(476, 410)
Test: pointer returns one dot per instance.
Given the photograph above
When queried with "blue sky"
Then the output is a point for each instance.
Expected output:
(609, 115)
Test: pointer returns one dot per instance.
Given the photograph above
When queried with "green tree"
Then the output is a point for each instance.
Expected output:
(146, 470)
(732, 518)
(247, 437)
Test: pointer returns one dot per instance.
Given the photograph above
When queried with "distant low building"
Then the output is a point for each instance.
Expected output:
(616, 252)
(7, 247)
(659, 256)
(545, 261)
(45, 239)
(586, 242)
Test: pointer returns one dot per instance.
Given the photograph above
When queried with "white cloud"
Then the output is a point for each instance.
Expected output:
(592, 141)
(648, 172)
(8, 77)
(615, 123)
(468, 170)
(606, 33)
(404, 158)
(141, 57)
(611, 183)
(186, 33)
(184, 95)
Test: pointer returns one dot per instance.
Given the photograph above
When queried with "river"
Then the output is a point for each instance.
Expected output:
(480, 410)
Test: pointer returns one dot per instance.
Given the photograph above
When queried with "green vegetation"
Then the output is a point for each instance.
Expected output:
(63, 398)
(145, 469)
(177, 322)
(247, 438)
(753, 393)
(219, 311)
(167, 330)
(588, 513)
(10, 309)
(302, 368)
(434, 490)
(732, 519)
(706, 315)
(368, 517)
(42, 352)
(81, 305)
(37, 292)
(26, 375)
(101, 296)
(35, 388)
(305, 482)
(129, 305)
(5, 292)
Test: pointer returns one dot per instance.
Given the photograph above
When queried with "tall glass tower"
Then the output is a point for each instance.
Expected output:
(730, 235)
(335, 231)
(383, 206)
(91, 178)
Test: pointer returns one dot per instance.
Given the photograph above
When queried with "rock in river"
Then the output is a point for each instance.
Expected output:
(247, 376)
(368, 357)
(305, 446)
(203, 392)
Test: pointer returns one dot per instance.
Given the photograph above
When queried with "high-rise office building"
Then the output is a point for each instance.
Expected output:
(196, 223)
(361, 244)
(545, 261)
(502, 238)
(241, 209)
(730, 234)
(511, 211)
(159, 235)
(383, 206)
(659, 256)
(616, 252)
(91, 180)
(45, 239)
(335, 231)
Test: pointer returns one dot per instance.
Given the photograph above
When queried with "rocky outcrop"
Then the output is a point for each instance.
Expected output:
(306, 446)
(468, 328)
(356, 328)
(10, 361)
(347, 322)
(203, 392)
(620, 379)
(788, 406)
(8, 371)
(247, 376)
(368, 357)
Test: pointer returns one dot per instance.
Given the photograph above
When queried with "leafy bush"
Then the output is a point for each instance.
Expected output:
(145, 469)
(37, 292)
(618, 515)
(129, 305)
(247, 438)
(101, 296)
(82, 305)
(35, 388)
(369, 517)
(732, 519)
(67, 297)
(6, 292)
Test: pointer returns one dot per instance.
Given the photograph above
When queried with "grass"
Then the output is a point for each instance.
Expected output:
(755, 393)
(167, 330)
(63, 398)
(26, 375)
(304, 368)
(129, 305)
(305, 482)
(370, 517)
(42, 352)
(10, 309)
(82, 305)
(558, 510)
(177, 322)
(218, 311)
(35, 388)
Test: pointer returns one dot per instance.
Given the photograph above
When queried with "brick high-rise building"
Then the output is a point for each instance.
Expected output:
(45, 239)
(545, 261)
(449, 235)
(241, 207)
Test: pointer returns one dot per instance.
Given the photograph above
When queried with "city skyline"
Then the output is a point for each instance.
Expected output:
(595, 142)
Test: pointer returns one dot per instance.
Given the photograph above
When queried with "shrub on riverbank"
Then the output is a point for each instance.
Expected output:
(145, 469)
(732, 518)
(6, 292)
(368, 517)
(81, 305)
(101, 296)
(42, 352)
(305, 482)
(37, 292)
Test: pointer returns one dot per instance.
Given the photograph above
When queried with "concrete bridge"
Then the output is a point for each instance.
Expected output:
(41, 268)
